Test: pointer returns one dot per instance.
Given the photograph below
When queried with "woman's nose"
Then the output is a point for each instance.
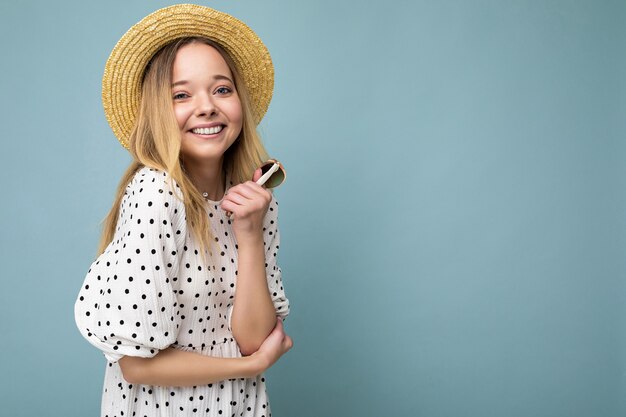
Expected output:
(206, 106)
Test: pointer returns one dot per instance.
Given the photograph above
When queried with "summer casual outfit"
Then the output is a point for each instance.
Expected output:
(151, 289)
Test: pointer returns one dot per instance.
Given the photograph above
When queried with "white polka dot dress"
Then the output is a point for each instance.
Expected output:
(151, 289)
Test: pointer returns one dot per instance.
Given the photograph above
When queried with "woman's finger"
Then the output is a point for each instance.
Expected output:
(258, 173)
(288, 342)
(251, 189)
(236, 197)
(230, 207)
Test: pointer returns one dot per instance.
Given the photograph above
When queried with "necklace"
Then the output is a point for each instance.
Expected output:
(205, 194)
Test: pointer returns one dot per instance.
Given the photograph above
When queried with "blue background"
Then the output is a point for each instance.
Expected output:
(453, 220)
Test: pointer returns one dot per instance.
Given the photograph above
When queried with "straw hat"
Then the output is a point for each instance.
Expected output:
(123, 73)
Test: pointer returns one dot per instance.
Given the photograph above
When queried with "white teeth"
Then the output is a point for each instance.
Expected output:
(208, 130)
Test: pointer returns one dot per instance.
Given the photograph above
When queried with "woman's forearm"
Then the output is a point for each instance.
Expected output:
(253, 316)
(177, 368)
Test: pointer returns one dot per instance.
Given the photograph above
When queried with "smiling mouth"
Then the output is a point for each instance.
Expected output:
(208, 130)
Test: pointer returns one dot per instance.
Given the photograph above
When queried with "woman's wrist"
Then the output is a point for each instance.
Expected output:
(251, 239)
(256, 364)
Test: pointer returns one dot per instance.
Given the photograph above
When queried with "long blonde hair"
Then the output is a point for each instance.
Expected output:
(155, 143)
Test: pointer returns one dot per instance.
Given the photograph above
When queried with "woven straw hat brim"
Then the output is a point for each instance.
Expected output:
(123, 72)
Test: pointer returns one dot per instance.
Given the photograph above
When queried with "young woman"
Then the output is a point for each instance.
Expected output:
(186, 299)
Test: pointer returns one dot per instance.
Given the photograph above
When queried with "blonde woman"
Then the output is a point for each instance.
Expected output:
(185, 298)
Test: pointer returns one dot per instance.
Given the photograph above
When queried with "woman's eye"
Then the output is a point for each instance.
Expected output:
(180, 96)
(223, 90)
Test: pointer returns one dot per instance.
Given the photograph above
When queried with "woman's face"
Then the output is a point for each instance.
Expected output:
(206, 104)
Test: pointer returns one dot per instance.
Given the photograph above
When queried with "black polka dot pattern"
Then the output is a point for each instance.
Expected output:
(151, 289)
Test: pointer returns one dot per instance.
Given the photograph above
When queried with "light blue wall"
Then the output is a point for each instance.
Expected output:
(453, 220)
(622, 220)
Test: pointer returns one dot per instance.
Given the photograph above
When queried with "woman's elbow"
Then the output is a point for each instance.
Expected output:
(249, 344)
(251, 338)
(247, 350)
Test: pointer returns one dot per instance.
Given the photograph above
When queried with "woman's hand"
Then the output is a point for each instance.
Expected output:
(274, 346)
(248, 203)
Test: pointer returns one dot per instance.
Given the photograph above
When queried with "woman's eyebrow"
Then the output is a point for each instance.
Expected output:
(222, 77)
(215, 77)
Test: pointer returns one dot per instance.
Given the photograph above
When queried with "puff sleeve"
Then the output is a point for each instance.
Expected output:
(271, 238)
(127, 304)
